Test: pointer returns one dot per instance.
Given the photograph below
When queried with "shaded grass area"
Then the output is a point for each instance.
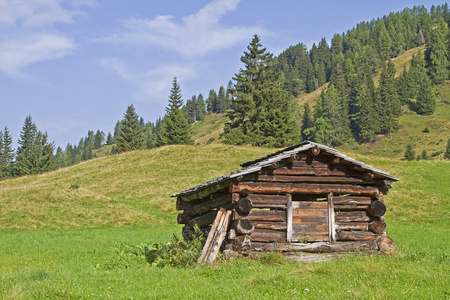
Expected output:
(92, 263)
(208, 131)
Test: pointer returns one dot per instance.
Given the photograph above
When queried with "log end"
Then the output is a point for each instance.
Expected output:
(386, 245)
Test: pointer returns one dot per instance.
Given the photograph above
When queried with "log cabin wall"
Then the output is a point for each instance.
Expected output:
(307, 198)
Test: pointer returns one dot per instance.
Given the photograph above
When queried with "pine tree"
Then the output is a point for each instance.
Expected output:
(175, 128)
(436, 53)
(131, 133)
(426, 104)
(263, 111)
(6, 154)
(211, 102)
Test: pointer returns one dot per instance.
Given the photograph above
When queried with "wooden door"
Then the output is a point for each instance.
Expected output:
(311, 221)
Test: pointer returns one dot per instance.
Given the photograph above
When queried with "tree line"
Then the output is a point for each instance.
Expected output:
(260, 99)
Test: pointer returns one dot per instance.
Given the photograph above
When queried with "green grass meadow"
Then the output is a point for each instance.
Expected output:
(79, 233)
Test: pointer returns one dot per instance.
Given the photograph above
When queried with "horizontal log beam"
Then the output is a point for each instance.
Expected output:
(203, 220)
(268, 236)
(304, 188)
(352, 200)
(282, 226)
(350, 207)
(309, 229)
(267, 216)
(258, 199)
(344, 235)
(309, 179)
(311, 237)
(351, 216)
(273, 206)
(353, 226)
(319, 247)
(204, 207)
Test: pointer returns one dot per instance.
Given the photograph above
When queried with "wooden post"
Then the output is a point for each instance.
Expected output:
(289, 218)
(331, 222)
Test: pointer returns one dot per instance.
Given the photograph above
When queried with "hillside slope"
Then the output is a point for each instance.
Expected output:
(134, 188)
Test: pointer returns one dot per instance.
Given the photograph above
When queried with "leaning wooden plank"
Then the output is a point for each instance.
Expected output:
(211, 235)
(331, 218)
(317, 247)
(304, 188)
(221, 233)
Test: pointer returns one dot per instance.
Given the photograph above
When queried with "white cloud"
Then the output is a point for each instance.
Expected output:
(28, 34)
(18, 52)
(195, 35)
(154, 84)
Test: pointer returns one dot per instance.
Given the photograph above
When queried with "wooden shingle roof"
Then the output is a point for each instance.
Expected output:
(257, 164)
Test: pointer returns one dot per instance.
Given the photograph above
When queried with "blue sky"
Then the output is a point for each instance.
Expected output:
(76, 65)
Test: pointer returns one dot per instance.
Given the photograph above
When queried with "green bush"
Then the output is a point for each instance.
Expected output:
(426, 130)
(437, 153)
(178, 252)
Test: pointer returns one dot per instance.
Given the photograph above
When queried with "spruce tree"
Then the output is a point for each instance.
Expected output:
(99, 138)
(24, 157)
(263, 111)
(389, 109)
(131, 133)
(175, 128)
(200, 108)
(6, 154)
(307, 121)
(222, 103)
(436, 53)
(109, 139)
(410, 154)
(426, 104)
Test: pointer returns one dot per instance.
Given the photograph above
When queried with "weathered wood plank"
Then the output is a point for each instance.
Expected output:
(312, 237)
(305, 188)
(289, 216)
(267, 215)
(350, 207)
(203, 208)
(309, 213)
(352, 200)
(309, 205)
(309, 229)
(264, 235)
(331, 220)
(351, 216)
(309, 220)
(274, 206)
(344, 235)
(353, 226)
(282, 226)
(258, 199)
(319, 247)
(203, 220)
(309, 179)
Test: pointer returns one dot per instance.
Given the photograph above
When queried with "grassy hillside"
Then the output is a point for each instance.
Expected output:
(79, 233)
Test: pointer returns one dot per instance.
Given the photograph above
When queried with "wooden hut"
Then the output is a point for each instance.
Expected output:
(307, 197)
